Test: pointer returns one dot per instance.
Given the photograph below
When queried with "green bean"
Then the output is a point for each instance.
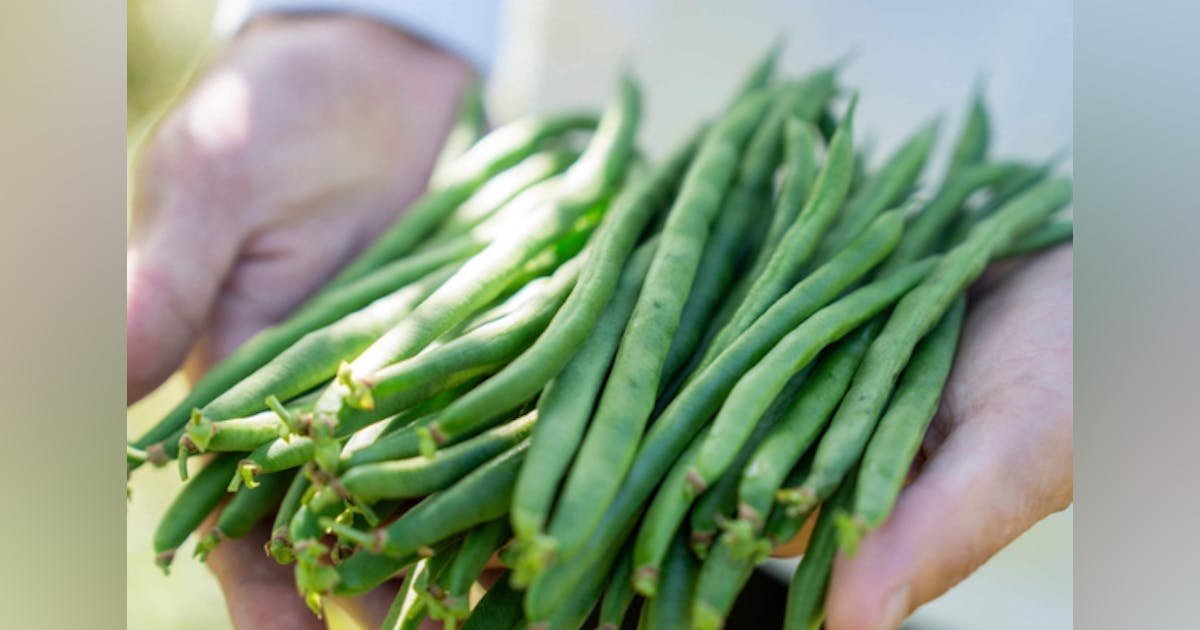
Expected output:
(314, 359)
(244, 511)
(408, 609)
(485, 276)
(615, 239)
(810, 582)
(661, 522)
(322, 313)
(781, 526)
(974, 137)
(479, 497)
(720, 579)
(419, 476)
(567, 403)
(800, 166)
(576, 608)
(628, 397)
(470, 125)
(500, 608)
(727, 243)
(758, 388)
(497, 151)
(691, 409)
(914, 316)
(243, 434)
(197, 499)
(761, 73)
(469, 562)
(484, 206)
(1000, 194)
(618, 595)
(889, 454)
(922, 234)
(670, 505)
(885, 189)
(672, 607)
(279, 546)
(799, 241)
(1045, 236)
(807, 416)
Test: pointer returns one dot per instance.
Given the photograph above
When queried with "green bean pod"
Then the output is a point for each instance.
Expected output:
(618, 594)
(484, 207)
(802, 424)
(615, 238)
(889, 454)
(688, 413)
(671, 607)
(914, 316)
(720, 579)
(279, 546)
(727, 244)
(244, 511)
(1045, 236)
(314, 359)
(408, 608)
(470, 124)
(323, 312)
(974, 137)
(799, 241)
(494, 153)
(885, 189)
(661, 523)
(629, 394)
(481, 496)
(810, 582)
(485, 276)
(922, 234)
(419, 476)
(758, 388)
(499, 609)
(197, 499)
(567, 403)
(800, 168)
(469, 562)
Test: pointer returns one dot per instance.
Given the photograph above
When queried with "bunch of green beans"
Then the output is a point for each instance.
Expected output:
(626, 383)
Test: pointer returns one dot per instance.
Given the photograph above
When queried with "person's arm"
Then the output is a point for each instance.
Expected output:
(467, 28)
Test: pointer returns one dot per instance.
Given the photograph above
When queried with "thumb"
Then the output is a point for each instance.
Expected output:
(971, 499)
(175, 263)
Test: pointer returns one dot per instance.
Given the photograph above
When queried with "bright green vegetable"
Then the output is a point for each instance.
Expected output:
(567, 402)
(799, 241)
(914, 316)
(500, 608)
(245, 510)
(671, 607)
(890, 452)
(806, 594)
(628, 397)
(618, 594)
(197, 499)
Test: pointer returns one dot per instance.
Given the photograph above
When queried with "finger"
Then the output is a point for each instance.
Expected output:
(175, 264)
(276, 270)
(259, 592)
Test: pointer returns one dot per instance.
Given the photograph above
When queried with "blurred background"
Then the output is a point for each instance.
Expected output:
(912, 60)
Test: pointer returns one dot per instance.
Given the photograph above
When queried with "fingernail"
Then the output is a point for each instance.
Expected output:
(895, 610)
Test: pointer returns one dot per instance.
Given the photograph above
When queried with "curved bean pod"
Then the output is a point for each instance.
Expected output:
(671, 607)
(618, 595)
(245, 510)
(197, 499)
(914, 316)
(806, 593)
(889, 454)
(628, 396)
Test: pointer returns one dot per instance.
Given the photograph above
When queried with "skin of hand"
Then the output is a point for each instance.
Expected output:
(296, 147)
(997, 457)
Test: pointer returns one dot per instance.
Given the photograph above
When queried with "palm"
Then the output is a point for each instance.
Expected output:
(996, 459)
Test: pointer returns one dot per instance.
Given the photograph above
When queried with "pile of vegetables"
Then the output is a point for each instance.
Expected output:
(627, 379)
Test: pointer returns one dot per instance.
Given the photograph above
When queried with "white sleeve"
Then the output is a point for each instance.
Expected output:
(465, 27)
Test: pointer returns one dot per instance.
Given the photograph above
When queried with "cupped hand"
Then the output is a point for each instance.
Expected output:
(997, 458)
(297, 147)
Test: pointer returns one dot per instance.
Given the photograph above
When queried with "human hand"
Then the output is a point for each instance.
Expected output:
(300, 143)
(997, 458)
